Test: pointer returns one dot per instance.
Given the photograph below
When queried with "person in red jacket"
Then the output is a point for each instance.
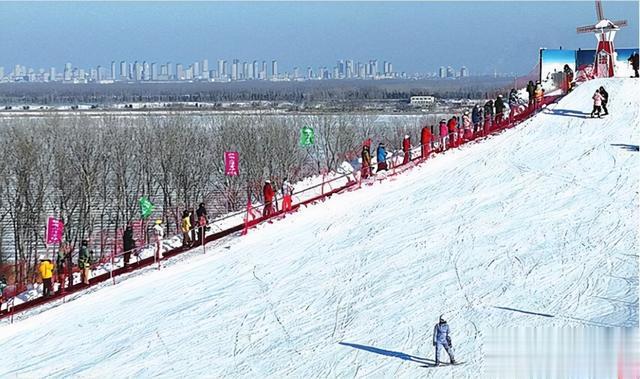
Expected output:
(268, 193)
(406, 148)
(425, 141)
(452, 125)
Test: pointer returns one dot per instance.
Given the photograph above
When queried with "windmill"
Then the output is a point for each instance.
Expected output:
(605, 32)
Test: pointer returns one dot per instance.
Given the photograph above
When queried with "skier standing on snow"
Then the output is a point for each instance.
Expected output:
(452, 125)
(46, 273)
(287, 193)
(158, 231)
(84, 261)
(425, 141)
(442, 339)
(531, 90)
(513, 101)
(633, 59)
(605, 100)
(406, 149)
(381, 155)
(268, 194)
(202, 220)
(366, 162)
(568, 77)
(185, 227)
(597, 103)
(476, 118)
(499, 104)
(128, 244)
(488, 116)
(60, 258)
(444, 132)
(539, 94)
(466, 126)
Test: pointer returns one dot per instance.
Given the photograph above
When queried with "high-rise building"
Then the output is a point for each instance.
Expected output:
(245, 70)
(205, 69)
(179, 71)
(296, 73)
(263, 70)
(112, 75)
(464, 72)
(124, 73)
(234, 69)
(450, 72)
(256, 70)
(52, 74)
(146, 71)
(196, 70)
(154, 71)
(169, 71)
(443, 72)
(274, 69)
(222, 68)
(68, 73)
(309, 73)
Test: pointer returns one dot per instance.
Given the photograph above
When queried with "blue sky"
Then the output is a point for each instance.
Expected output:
(414, 36)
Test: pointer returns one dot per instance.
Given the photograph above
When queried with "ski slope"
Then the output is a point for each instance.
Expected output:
(534, 227)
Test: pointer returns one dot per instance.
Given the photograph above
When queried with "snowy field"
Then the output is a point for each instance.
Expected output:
(536, 227)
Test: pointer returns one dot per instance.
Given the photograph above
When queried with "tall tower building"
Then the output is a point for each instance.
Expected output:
(154, 71)
(274, 69)
(234, 69)
(179, 71)
(464, 72)
(443, 72)
(222, 68)
(205, 69)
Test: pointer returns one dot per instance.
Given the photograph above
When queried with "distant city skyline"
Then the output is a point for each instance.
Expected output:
(418, 37)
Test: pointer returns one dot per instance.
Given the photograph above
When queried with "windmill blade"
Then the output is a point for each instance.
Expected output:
(586, 29)
(620, 23)
(599, 11)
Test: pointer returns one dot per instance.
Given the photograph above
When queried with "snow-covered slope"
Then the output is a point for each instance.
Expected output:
(535, 227)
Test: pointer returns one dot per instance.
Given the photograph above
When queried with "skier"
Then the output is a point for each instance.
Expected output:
(605, 100)
(568, 78)
(488, 116)
(381, 155)
(466, 126)
(366, 162)
(476, 118)
(201, 219)
(597, 103)
(60, 258)
(452, 125)
(499, 104)
(269, 194)
(539, 94)
(185, 227)
(531, 90)
(442, 339)
(513, 101)
(46, 273)
(158, 231)
(287, 193)
(406, 149)
(3, 285)
(444, 133)
(425, 141)
(84, 261)
(128, 244)
(633, 59)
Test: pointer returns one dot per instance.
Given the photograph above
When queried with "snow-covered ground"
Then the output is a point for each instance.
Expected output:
(536, 227)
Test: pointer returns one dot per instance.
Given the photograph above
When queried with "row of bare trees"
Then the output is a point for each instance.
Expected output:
(91, 171)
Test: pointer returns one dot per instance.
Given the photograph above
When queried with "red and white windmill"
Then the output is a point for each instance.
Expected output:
(605, 32)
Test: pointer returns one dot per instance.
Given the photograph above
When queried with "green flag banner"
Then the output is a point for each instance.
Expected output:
(306, 136)
(146, 208)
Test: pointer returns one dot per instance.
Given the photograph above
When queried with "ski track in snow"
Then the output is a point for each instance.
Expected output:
(536, 221)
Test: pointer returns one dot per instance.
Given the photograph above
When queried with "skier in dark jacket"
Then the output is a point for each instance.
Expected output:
(84, 261)
(128, 244)
(202, 221)
(381, 155)
(605, 100)
(476, 118)
(633, 59)
(488, 115)
(499, 104)
(442, 339)
(568, 77)
(531, 90)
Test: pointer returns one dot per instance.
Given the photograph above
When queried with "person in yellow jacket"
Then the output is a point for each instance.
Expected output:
(46, 273)
(185, 227)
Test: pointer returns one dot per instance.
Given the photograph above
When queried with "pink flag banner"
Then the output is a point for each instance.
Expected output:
(231, 161)
(55, 228)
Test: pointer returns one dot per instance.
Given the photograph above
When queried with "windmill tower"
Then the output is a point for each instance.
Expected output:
(605, 32)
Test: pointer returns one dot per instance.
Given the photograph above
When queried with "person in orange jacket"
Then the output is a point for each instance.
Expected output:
(406, 149)
(269, 194)
(46, 273)
(425, 141)
(452, 125)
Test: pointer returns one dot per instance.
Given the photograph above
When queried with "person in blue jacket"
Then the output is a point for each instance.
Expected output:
(476, 118)
(381, 154)
(441, 339)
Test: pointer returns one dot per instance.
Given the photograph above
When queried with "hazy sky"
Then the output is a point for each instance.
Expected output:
(414, 36)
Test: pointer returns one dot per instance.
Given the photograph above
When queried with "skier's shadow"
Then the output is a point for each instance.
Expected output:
(389, 353)
(567, 112)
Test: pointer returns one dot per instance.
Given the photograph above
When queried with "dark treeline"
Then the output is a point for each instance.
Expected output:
(294, 92)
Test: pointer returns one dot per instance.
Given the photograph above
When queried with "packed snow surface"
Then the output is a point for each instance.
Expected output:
(534, 227)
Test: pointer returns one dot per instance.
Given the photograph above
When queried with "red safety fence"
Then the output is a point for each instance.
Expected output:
(253, 215)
